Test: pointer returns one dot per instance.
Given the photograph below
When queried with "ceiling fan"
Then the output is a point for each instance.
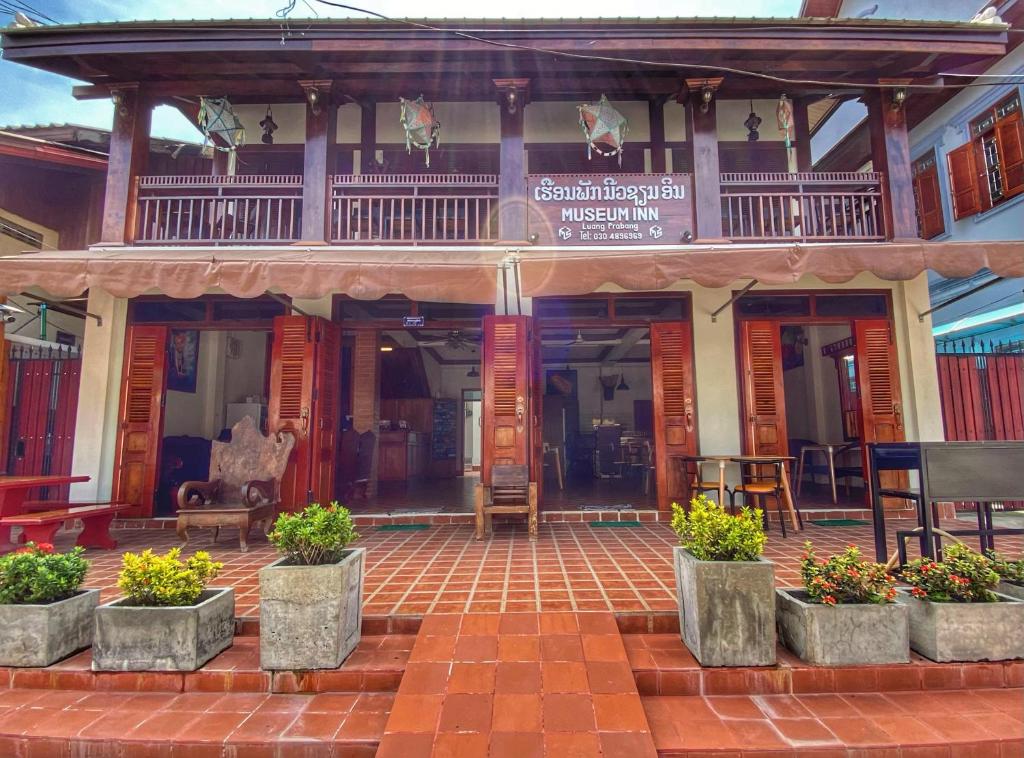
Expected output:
(578, 340)
(456, 339)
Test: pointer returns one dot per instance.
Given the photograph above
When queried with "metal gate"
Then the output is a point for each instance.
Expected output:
(42, 402)
(982, 389)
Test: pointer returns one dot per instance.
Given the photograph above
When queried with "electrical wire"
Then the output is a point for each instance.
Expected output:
(18, 6)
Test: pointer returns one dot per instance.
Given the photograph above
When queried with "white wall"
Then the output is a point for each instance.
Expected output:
(244, 375)
(619, 409)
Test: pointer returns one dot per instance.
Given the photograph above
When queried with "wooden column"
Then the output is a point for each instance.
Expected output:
(890, 155)
(802, 134)
(318, 161)
(366, 393)
(219, 163)
(4, 379)
(512, 95)
(129, 151)
(702, 133)
(656, 118)
(367, 137)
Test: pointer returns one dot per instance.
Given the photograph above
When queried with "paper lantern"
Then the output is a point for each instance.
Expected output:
(422, 129)
(604, 128)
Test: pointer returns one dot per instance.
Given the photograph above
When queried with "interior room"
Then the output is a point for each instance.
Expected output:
(597, 418)
(214, 379)
(820, 385)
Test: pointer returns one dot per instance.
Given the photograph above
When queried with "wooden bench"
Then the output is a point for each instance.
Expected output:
(510, 491)
(96, 520)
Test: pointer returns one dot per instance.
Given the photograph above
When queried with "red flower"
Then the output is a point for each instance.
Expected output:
(828, 600)
(918, 592)
(44, 547)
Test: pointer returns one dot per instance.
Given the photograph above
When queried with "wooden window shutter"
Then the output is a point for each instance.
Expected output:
(673, 404)
(291, 401)
(764, 397)
(143, 384)
(963, 181)
(1010, 144)
(506, 392)
(878, 381)
(929, 203)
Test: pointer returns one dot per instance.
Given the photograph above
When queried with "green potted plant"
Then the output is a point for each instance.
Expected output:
(1011, 574)
(955, 612)
(845, 614)
(167, 620)
(311, 599)
(726, 590)
(44, 613)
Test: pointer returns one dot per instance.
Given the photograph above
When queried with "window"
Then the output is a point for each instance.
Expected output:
(990, 167)
(928, 200)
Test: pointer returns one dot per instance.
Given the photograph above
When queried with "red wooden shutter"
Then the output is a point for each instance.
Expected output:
(674, 407)
(537, 410)
(1010, 144)
(878, 381)
(929, 203)
(763, 393)
(506, 385)
(325, 414)
(143, 384)
(291, 401)
(963, 181)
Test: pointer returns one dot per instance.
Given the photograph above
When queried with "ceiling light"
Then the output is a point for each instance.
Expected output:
(473, 373)
(386, 348)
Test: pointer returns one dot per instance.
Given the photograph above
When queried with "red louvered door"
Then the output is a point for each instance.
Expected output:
(878, 381)
(763, 394)
(963, 181)
(291, 401)
(506, 393)
(326, 394)
(1010, 144)
(140, 431)
(537, 410)
(674, 406)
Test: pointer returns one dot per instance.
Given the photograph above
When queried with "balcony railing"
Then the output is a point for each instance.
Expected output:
(226, 210)
(415, 208)
(811, 207)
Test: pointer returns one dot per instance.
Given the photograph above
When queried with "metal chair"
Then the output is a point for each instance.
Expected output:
(693, 474)
(758, 480)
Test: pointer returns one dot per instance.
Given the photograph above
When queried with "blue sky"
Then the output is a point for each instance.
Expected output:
(28, 96)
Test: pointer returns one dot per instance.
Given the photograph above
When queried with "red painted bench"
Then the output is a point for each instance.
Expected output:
(96, 520)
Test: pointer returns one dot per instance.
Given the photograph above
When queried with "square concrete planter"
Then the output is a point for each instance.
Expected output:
(726, 610)
(966, 631)
(41, 634)
(1014, 590)
(311, 616)
(147, 638)
(842, 635)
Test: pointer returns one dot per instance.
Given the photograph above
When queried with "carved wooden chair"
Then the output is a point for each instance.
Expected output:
(510, 491)
(244, 487)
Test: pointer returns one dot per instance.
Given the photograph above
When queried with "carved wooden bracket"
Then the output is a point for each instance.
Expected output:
(318, 92)
(513, 94)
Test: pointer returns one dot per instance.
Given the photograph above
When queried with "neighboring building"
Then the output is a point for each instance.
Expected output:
(701, 292)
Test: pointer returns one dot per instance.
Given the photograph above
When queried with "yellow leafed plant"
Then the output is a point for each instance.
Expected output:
(147, 579)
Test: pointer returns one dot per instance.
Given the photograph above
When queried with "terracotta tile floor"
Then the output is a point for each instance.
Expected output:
(443, 569)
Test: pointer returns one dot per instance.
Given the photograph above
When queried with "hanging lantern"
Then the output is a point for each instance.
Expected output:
(217, 119)
(753, 121)
(269, 127)
(604, 128)
(422, 129)
(784, 116)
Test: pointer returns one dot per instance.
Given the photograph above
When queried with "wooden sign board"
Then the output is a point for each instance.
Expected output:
(609, 209)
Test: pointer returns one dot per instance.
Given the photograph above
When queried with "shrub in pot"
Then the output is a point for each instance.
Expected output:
(311, 599)
(845, 614)
(167, 620)
(726, 591)
(955, 612)
(44, 613)
(1011, 574)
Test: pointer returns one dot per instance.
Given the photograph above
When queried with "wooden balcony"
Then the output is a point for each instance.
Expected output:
(414, 209)
(219, 210)
(843, 206)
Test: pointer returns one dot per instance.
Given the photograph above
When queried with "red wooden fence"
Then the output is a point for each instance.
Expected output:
(982, 389)
(42, 402)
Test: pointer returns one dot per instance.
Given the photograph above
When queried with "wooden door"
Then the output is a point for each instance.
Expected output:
(764, 399)
(537, 411)
(140, 431)
(327, 419)
(506, 378)
(674, 416)
(291, 401)
(878, 381)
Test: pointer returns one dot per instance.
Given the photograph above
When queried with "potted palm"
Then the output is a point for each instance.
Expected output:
(1011, 574)
(167, 620)
(44, 613)
(845, 614)
(311, 599)
(726, 590)
(955, 612)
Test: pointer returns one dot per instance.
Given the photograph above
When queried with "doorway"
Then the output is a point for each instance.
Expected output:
(472, 433)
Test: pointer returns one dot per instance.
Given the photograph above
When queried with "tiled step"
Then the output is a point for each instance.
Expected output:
(663, 666)
(376, 665)
(162, 725)
(982, 722)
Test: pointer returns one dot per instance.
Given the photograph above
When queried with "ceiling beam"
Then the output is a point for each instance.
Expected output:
(618, 352)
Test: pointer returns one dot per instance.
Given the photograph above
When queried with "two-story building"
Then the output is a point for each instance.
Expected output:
(590, 312)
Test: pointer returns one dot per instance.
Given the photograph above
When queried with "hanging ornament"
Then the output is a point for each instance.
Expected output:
(753, 121)
(269, 127)
(784, 116)
(603, 125)
(422, 129)
(217, 119)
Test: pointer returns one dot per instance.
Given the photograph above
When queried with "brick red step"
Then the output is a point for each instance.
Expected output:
(663, 666)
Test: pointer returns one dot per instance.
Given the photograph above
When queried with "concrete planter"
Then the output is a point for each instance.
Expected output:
(842, 635)
(726, 610)
(38, 635)
(1012, 589)
(146, 638)
(966, 631)
(310, 616)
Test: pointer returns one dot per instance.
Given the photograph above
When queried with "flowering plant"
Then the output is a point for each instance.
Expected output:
(963, 576)
(711, 534)
(846, 578)
(164, 580)
(1009, 571)
(35, 574)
